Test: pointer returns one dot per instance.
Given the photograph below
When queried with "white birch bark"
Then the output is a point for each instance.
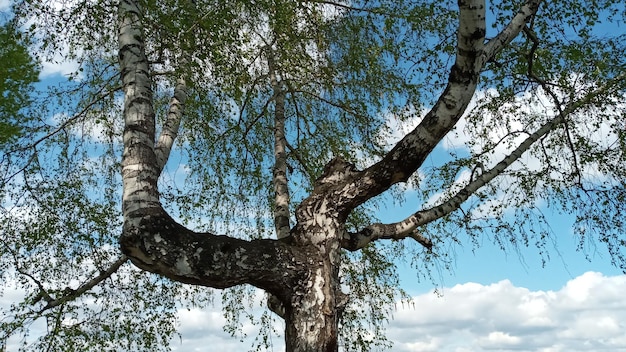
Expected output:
(139, 166)
(409, 153)
(281, 189)
(172, 124)
(406, 228)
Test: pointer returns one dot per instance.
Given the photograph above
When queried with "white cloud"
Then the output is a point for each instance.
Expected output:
(5, 5)
(398, 125)
(513, 121)
(202, 328)
(58, 66)
(587, 314)
(495, 134)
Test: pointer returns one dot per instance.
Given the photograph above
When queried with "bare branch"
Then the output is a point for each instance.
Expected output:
(356, 241)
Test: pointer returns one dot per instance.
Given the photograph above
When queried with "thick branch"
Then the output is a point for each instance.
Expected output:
(172, 124)
(150, 237)
(156, 243)
(408, 154)
(140, 169)
(406, 227)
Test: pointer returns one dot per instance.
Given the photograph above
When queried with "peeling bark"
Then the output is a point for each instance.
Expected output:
(151, 238)
(156, 243)
(312, 315)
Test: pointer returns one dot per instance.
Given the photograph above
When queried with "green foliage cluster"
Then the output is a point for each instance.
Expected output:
(18, 72)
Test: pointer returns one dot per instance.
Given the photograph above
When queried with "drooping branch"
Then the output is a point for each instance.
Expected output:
(68, 294)
(99, 97)
(532, 36)
(406, 228)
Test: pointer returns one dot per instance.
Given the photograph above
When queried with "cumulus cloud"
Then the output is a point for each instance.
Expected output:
(587, 314)
(203, 328)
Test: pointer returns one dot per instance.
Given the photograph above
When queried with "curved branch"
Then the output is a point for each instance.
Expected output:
(150, 237)
(406, 227)
(160, 245)
(408, 154)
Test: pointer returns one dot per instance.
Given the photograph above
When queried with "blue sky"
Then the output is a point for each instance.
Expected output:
(489, 264)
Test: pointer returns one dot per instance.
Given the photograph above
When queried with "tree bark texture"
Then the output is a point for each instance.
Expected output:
(301, 267)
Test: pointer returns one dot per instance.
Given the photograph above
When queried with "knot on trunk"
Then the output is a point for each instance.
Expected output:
(336, 171)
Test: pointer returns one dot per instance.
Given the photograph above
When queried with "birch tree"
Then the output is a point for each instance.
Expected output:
(255, 146)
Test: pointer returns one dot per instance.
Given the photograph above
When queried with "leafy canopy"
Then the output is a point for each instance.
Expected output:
(355, 75)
